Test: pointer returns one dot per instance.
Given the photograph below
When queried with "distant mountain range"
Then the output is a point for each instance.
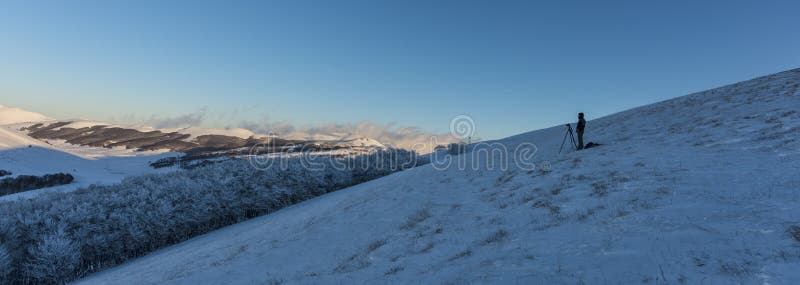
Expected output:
(98, 152)
(190, 140)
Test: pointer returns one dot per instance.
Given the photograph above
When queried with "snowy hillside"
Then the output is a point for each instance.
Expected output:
(10, 115)
(23, 155)
(360, 142)
(101, 153)
(365, 143)
(701, 189)
(195, 132)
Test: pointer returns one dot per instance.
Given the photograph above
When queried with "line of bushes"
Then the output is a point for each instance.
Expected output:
(24, 183)
(57, 237)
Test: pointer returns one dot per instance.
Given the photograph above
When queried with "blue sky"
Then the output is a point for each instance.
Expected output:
(513, 66)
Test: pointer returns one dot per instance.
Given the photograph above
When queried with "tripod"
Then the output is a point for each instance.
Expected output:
(571, 139)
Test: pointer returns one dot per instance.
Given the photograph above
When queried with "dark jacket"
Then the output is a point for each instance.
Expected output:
(581, 125)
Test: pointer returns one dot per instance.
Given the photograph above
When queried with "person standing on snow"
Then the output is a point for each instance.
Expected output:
(579, 128)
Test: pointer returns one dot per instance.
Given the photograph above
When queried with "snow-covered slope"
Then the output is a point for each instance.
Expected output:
(195, 132)
(340, 140)
(360, 142)
(190, 140)
(10, 115)
(22, 154)
(366, 143)
(700, 189)
(101, 153)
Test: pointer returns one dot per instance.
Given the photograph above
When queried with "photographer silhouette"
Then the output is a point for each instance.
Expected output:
(579, 128)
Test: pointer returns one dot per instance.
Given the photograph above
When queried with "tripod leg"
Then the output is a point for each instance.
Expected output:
(562, 142)
(572, 139)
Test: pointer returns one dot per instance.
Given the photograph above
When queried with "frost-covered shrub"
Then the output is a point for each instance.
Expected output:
(794, 232)
(56, 237)
(456, 148)
(53, 260)
(23, 183)
(367, 167)
(5, 265)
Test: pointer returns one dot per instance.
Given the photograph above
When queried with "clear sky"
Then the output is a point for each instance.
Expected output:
(513, 66)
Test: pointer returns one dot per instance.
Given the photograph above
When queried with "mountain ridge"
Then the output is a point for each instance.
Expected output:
(102, 153)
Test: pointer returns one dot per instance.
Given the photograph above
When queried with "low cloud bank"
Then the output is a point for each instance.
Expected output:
(181, 121)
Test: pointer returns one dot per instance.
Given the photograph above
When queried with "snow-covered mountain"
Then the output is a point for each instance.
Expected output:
(190, 140)
(101, 153)
(10, 115)
(700, 189)
(22, 154)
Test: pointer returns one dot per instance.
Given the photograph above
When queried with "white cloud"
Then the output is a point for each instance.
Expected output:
(185, 120)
